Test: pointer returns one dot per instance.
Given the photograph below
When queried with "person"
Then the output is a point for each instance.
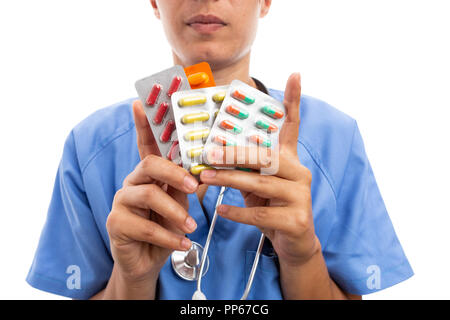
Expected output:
(119, 209)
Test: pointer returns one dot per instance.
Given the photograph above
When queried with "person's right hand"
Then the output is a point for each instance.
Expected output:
(149, 216)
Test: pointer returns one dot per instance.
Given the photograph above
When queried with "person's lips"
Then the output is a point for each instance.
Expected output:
(206, 23)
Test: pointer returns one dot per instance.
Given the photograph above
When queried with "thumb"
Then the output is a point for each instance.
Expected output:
(289, 131)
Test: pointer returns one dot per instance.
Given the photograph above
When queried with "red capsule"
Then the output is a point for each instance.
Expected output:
(242, 97)
(257, 139)
(162, 110)
(154, 94)
(176, 82)
(167, 132)
(230, 126)
(221, 140)
(174, 151)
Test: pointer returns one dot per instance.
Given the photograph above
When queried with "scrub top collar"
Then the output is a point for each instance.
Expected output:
(260, 86)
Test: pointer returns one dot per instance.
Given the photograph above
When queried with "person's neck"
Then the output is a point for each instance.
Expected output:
(240, 70)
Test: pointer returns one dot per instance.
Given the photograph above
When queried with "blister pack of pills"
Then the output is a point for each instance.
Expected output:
(247, 117)
(195, 112)
(156, 92)
(200, 76)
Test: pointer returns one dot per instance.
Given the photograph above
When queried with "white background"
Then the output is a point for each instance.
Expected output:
(385, 63)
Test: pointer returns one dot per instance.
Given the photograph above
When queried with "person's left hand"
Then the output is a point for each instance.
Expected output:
(278, 204)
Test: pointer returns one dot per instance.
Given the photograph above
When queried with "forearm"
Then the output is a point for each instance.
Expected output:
(310, 280)
(119, 288)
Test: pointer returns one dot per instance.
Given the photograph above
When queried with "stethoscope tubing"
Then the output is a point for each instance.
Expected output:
(199, 294)
(208, 239)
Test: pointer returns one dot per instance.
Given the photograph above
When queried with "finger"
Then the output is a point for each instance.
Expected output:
(263, 186)
(152, 197)
(145, 140)
(289, 132)
(178, 196)
(127, 225)
(276, 218)
(154, 168)
(265, 160)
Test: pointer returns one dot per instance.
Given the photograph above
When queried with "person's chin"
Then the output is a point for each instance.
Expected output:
(214, 57)
(206, 51)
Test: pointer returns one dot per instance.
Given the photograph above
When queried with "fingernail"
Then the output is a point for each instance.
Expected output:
(190, 183)
(190, 224)
(208, 174)
(215, 155)
(186, 243)
(222, 209)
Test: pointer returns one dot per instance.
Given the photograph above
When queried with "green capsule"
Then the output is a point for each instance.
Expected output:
(267, 126)
(230, 126)
(261, 141)
(242, 97)
(272, 112)
(237, 112)
(223, 141)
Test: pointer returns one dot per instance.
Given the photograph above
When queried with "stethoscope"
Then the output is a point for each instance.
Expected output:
(187, 265)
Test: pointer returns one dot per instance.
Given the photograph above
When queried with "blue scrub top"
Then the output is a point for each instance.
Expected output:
(359, 244)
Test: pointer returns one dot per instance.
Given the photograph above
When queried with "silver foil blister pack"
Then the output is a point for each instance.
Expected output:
(156, 92)
(247, 117)
(195, 112)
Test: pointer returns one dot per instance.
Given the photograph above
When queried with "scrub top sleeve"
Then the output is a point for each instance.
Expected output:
(71, 259)
(363, 253)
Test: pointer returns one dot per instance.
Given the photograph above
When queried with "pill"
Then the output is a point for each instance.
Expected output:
(272, 112)
(242, 97)
(198, 78)
(216, 113)
(162, 110)
(195, 152)
(237, 112)
(192, 101)
(219, 97)
(230, 126)
(267, 126)
(257, 139)
(176, 82)
(174, 151)
(167, 132)
(154, 94)
(196, 134)
(195, 117)
(196, 170)
(221, 140)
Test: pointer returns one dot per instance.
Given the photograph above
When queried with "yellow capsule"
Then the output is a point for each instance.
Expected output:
(219, 97)
(195, 117)
(196, 170)
(192, 101)
(195, 152)
(198, 78)
(196, 134)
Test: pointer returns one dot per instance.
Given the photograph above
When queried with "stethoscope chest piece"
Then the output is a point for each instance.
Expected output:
(187, 263)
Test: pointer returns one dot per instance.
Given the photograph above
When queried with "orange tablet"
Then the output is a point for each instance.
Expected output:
(200, 76)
